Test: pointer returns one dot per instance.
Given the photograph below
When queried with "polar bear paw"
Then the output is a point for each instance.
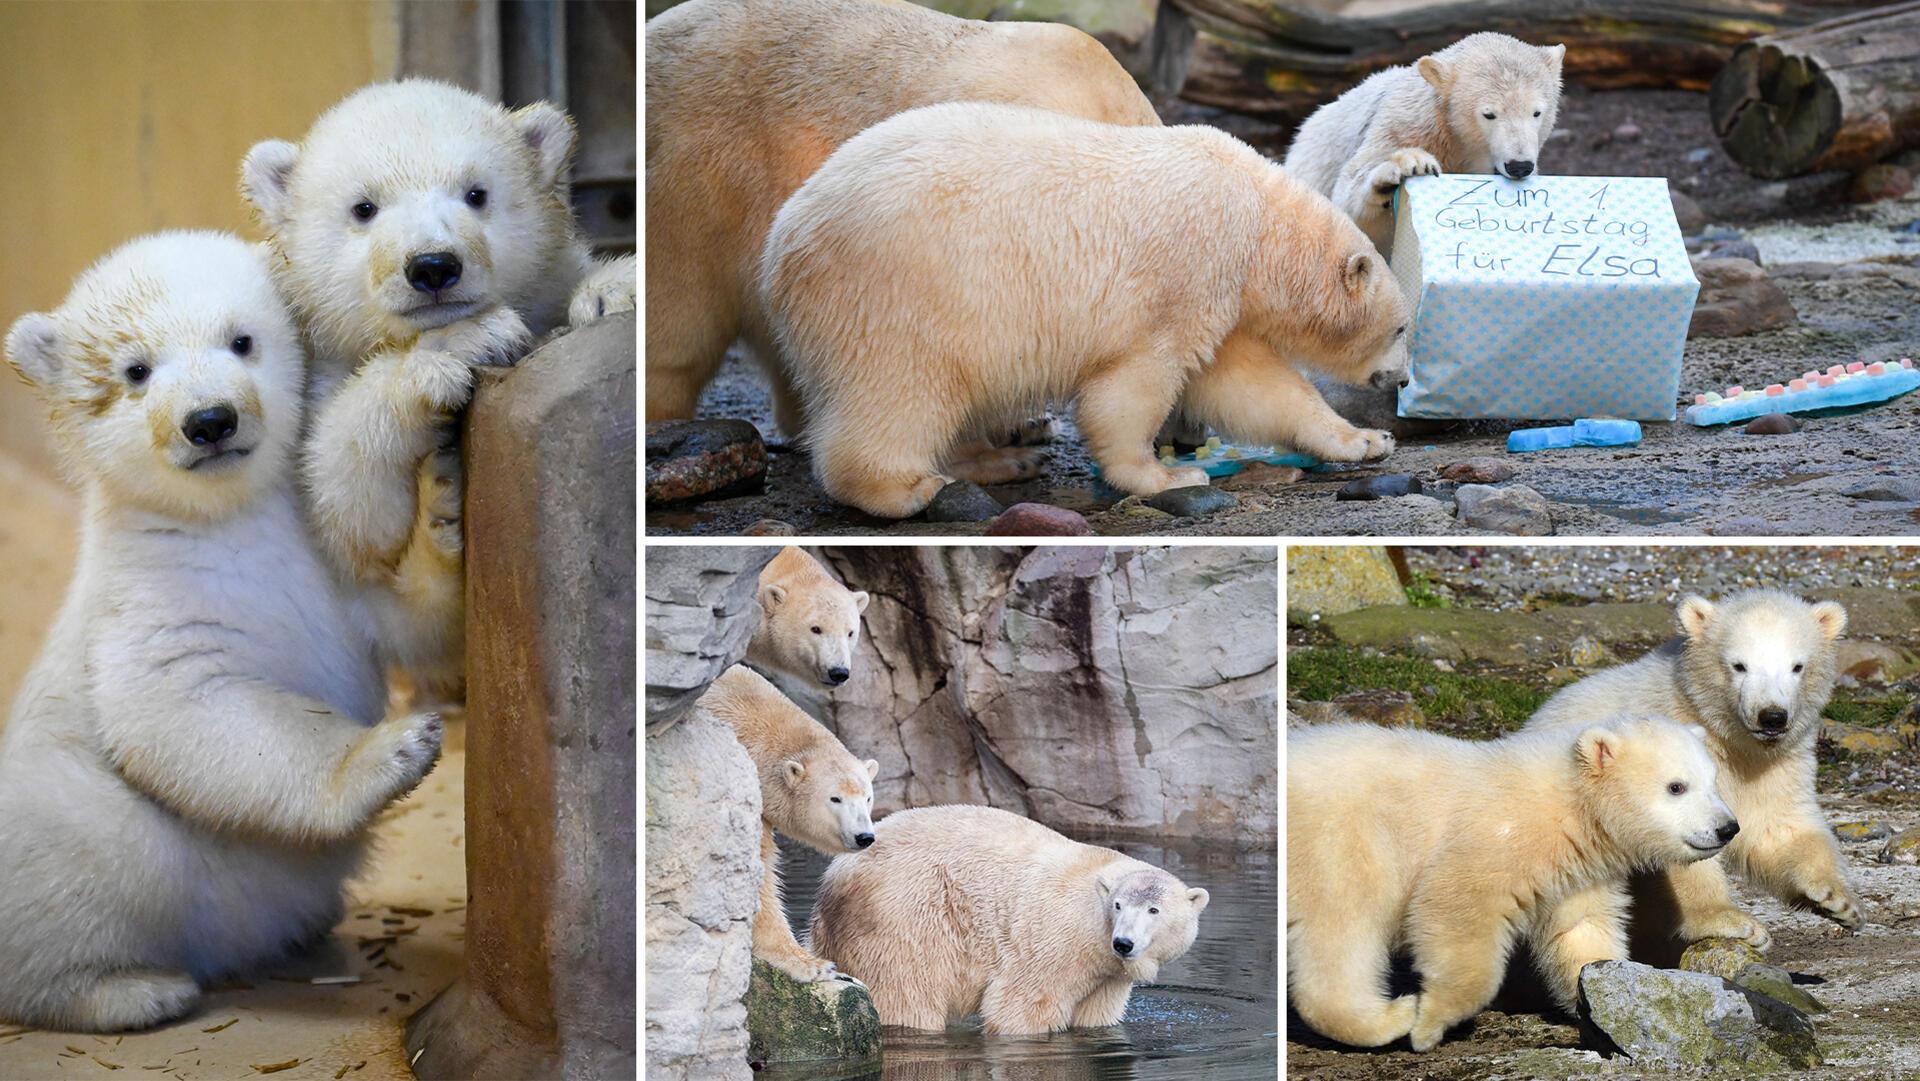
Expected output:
(608, 289)
(496, 338)
(1401, 164)
(1727, 923)
(807, 969)
(1838, 905)
(399, 752)
(443, 491)
(1360, 445)
(134, 999)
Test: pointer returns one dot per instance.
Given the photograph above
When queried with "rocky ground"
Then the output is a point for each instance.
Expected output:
(1489, 633)
(1850, 272)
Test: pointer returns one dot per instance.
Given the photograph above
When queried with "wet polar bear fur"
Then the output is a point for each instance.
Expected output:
(962, 910)
(745, 100)
(193, 760)
(1754, 670)
(421, 231)
(809, 622)
(1456, 851)
(1484, 104)
(811, 788)
(950, 270)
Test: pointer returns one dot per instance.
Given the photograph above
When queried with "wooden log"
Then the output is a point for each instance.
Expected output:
(1265, 57)
(1839, 94)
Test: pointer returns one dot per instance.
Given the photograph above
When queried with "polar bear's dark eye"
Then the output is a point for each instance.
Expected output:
(1797, 668)
(1400, 330)
(1488, 115)
(1116, 906)
(1536, 112)
(476, 197)
(1677, 788)
(364, 211)
(137, 373)
(1738, 667)
(816, 630)
(242, 345)
(1153, 912)
(833, 799)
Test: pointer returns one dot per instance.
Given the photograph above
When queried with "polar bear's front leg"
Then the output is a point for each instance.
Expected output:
(1120, 411)
(609, 288)
(1105, 1006)
(1251, 393)
(1583, 928)
(1799, 863)
(1706, 908)
(773, 940)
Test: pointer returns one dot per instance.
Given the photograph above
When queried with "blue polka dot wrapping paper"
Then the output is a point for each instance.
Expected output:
(1542, 299)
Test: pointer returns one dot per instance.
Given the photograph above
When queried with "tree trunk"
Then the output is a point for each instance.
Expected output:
(1839, 94)
(1262, 56)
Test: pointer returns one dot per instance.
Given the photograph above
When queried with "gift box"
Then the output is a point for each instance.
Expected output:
(1542, 299)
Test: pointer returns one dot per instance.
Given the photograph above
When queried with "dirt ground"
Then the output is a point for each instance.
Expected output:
(1869, 981)
(1680, 480)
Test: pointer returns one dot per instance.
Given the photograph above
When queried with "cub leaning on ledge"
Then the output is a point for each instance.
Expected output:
(192, 763)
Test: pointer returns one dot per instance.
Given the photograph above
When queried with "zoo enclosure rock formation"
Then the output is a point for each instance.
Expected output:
(1129, 692)
(548, 989)
(703, 815)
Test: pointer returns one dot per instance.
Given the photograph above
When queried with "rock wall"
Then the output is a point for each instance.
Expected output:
(1126, 691)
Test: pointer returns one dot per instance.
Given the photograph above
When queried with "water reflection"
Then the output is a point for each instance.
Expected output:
(1213, 1014)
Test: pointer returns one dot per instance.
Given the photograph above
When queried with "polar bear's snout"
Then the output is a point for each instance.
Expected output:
(212, 426)
(1123, 946)
(1392, 380)
(430, 272)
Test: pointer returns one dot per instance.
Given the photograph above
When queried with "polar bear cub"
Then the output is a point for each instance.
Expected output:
(1484, 104)
(1457, 850)
(811, 788)
(421, 231)
(954, 267)
(962, 910)
(809, 623)
(192, 763)
(1755, 670)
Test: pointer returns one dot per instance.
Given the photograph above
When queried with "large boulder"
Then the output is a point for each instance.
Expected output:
(831, 1024)
(1334, 579)
(701, 613)
(1670, 1017)
(1737, 298)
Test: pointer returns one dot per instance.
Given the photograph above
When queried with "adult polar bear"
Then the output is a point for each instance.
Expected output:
(420, 230)
(745, 100)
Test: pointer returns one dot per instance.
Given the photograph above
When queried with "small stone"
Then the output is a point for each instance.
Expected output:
(1877, 182)
(1772, 424)
(1478, 471)
(1193, 501)
(1693, 1019)
(1587, 653)
(1386, 707)
(769, 527)
(1038, 520)
(1887, 490)
(1722, 957)
(1627, 133)
(962, 501)
(1255, 476)
(1777, 983)
(1384, 486)
(1735, 249)
(1861, 741)
(1699, 155)
(1687, 213)
(1902, 847)
(703, 459)
(1515, 509)
(1862, 831)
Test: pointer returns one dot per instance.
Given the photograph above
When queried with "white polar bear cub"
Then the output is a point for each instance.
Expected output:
(421, 230)
(809, 622)
(192, 763)
(1484, 104)
(1457, 850)
(962, 910)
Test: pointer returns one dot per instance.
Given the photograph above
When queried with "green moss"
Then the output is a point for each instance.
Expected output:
(1422, 593)
(789, 1021)
(1474, 703)
(1865, 712)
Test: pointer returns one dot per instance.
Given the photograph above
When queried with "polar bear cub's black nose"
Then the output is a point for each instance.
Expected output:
(209, 426)
(837, 676)
(1519, 169)
(1773, 719)
(433, 271)
(1123, 946)
(864, 840)
(1726, 830)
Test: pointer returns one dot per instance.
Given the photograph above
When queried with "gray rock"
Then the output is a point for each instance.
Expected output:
(1735, 249)
(1478, 471)
(1862, 831)
(1515, 509)
(1195, 501)
(1737, 298)
(701, 613)
(1038, 520)
(1899, 489)
(1805, 270)
(1777, 983)
(1772, 424)
(1385, 486)
(1666, 1016)
(831, 1023)
(1745, 525)
(689, 460)
(1687, 213)
(1902, 847)
(963, 501)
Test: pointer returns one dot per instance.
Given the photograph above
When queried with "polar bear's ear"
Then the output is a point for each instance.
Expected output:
(1831, 617)
(1357, 272)
(873, 768)
(1199, 899)
(792, 770)
(550, 133)
(1699, 730)
(266, 179)
(33, 346)
(1597, 749)
(1434, 72)
(1695, 613)
(772, 597)
(860, 602)
(1556, 55)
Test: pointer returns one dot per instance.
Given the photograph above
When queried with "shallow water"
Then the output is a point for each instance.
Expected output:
(1213, 1014)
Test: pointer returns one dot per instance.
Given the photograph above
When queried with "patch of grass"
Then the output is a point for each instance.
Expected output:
(1471, 703)
(1422, 593)
(1864, 712)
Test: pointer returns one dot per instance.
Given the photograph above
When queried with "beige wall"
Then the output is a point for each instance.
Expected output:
(118, 118)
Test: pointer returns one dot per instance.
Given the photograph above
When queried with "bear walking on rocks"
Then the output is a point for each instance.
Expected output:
(193, 761)
(1458, 850)
(1755, 670)
(809, 624)
(811, 789)
(953, 268)
(746, 98)
(421, 231)
(962, 910)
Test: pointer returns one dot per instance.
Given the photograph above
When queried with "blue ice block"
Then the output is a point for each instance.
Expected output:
(1594, 432)
(1531, 439)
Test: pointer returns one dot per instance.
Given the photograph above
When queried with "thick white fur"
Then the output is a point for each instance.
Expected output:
(746, 98)
(1788, 649)
(962, 910)
(392, 364)
(809, 622)
(1430, 117)
(192, 763)
(951, 269)
(811, 788)
(1456, 851)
